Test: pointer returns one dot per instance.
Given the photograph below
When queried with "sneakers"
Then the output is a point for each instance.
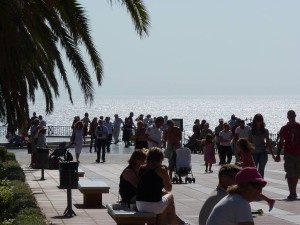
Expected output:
(271, 203)
(292, 196)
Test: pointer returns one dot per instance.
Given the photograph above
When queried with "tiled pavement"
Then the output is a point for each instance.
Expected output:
(188, 197)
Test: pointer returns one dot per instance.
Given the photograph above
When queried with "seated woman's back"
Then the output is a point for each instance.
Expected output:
(150, 185)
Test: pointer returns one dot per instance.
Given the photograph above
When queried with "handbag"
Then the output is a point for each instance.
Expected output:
(168, 153)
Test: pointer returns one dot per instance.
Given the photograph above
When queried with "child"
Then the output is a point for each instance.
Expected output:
(245, 148)
(209, 152)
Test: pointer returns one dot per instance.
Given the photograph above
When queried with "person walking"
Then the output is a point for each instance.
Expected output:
(101, 134)
(93, 126)
(259, 137)
(218, 129)
(245, 148)
(241, 131)
(109, 126)
(225, 137)
(86, 121)
(153, 133)
(140, 141)
(172, 136)
(117, 128)
(34, 132)
(77, 138)
(289, 139)
(209, 152)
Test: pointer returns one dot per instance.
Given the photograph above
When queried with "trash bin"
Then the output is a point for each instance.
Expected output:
(42, 158)
(68, 172)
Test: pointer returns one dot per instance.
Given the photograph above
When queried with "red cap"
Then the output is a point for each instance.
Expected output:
(249, 174)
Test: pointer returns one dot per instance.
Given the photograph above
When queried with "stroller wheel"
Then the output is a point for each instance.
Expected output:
(173, 180)
(193, 180)
(186, 179)
(180, 180)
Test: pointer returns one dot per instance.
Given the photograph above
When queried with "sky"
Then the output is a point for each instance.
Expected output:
(198, 47)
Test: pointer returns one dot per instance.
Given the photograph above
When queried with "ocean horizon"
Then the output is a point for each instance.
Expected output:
(188, 108)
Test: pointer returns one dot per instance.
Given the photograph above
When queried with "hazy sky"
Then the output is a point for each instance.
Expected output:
(199, 47)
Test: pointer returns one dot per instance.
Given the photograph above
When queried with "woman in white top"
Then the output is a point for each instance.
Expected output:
(225, 137)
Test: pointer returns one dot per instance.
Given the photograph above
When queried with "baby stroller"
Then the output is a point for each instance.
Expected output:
(61, 154)
(183, 166)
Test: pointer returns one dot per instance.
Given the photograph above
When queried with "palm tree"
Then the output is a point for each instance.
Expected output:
(32, 35)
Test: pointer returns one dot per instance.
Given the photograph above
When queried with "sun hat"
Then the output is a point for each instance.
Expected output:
(249, 175)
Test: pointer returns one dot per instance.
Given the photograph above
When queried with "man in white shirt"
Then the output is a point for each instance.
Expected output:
(153, 133)
(242, 131)
(117, 128)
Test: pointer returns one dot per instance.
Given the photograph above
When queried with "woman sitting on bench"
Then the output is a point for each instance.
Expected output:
(153, 178)
(129, 176)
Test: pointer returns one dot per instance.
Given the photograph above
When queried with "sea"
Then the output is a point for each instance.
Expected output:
(187, 108)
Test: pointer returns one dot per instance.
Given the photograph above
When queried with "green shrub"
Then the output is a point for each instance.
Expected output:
(10, 156)
(22, 197)
(6, 199)
(3, 153)
(17, 203)
(30, 216)
(2, 171)
(13, 171)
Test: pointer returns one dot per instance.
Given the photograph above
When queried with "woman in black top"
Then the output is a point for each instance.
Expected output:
(129, 177)
(153, 178)
(140, 141)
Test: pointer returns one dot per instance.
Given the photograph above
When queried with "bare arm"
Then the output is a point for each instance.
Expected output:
(279, 147)
(163, 173)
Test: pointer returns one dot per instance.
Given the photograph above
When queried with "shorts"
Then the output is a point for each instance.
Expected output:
(292, 166)
(153, 207)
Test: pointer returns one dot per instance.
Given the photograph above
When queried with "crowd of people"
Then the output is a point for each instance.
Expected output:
(157, 138)
(239, 183)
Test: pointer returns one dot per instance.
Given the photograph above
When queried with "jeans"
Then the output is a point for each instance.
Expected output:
(93, 138)
(260, 159)
(101, 143)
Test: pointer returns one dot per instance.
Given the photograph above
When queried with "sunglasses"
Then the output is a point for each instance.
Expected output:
(256, 185)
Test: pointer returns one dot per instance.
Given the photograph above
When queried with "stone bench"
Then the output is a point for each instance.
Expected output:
(122, 214)
(92, 192)
(80, 172)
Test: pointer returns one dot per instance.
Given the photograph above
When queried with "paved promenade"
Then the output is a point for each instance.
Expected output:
(188, 197)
